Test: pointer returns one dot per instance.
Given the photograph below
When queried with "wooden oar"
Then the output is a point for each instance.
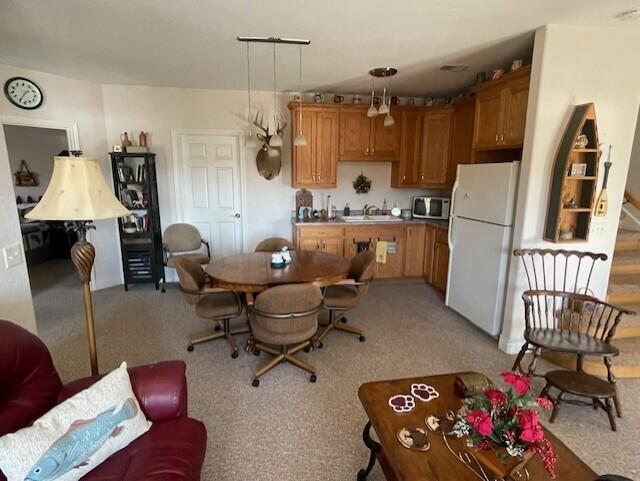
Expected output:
(602, 204)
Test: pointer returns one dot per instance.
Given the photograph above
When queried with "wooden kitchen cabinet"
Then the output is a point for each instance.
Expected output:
(435, 149)
(405, 172)
(320, 238)
(440, 261)
(414, 250)
(501, 109)
(425, 148)
(365, 138)
(461, 136)
(315, 164)
(436, 257)
(394, 267)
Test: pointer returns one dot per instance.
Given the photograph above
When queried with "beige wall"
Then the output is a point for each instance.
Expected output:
(37, 147)
(269, 203)
(66, 102)
(573, 65)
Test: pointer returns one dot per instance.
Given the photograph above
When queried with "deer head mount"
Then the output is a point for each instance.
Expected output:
(268, 159)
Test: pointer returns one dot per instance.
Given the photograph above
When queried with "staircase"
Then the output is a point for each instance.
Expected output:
(624, 291)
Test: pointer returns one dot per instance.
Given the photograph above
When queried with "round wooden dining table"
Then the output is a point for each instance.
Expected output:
(253, 272)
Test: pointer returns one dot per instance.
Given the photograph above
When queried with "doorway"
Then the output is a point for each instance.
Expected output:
(31, 151)
(209, 188)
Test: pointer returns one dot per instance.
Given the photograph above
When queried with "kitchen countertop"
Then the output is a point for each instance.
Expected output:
(440, 224)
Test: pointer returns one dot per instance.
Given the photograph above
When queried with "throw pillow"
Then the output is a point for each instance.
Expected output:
(77, 435)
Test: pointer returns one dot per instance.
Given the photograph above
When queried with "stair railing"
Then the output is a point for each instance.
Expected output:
(634, 200)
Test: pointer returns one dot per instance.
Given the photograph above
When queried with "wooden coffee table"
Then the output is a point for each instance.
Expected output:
(438, 463)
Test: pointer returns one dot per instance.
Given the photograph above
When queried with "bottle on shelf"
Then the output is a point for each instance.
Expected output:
(385, 210)
(347, 210)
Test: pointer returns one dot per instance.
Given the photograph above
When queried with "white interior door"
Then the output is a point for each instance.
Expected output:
(209, 189)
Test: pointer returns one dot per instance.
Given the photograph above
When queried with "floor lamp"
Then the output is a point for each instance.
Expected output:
(78, 194)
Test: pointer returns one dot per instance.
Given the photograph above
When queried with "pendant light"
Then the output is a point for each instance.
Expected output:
(249, 92)
(300, 140)
(373, 111)
(275, 140)
(384, 108)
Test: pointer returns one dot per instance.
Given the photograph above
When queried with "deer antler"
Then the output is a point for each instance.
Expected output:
(259, 123)
(280, 128)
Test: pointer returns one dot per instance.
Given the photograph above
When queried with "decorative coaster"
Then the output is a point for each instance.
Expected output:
(441, 424)
(424, 392)
(414, 438)
(402, 403)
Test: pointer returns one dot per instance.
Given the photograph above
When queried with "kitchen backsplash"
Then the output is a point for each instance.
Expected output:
(380, 175)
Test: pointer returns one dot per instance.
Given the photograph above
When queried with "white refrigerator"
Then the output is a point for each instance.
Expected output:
(480, 232)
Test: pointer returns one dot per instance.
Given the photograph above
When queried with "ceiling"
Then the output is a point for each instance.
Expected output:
(192, 43)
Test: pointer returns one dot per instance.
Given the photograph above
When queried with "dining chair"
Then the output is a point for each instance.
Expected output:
(571, 323)
(346, 295)
(273, 244)
(556, 270)
(219, 305)
(183, 240)
(284, 320)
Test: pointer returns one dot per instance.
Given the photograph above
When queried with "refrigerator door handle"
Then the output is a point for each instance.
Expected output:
(454, 189)
(452, 215)
(450, 234)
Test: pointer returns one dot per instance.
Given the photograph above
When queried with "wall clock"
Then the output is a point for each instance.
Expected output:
(23, 93)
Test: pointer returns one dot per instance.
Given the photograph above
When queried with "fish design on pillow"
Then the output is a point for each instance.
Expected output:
(83, 438)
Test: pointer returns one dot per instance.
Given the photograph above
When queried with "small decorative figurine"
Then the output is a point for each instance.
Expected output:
(581, 141)
(142, 139)
(124, 139)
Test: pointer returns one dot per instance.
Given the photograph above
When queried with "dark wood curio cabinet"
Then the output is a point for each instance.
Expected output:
(135, 184)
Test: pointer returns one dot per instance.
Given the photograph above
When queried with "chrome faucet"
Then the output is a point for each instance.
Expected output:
(369, 209)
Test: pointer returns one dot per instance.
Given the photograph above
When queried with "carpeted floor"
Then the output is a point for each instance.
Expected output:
(289, 428)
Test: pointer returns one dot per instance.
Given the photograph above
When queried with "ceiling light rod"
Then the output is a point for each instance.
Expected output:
(289, 41)
(382, 72)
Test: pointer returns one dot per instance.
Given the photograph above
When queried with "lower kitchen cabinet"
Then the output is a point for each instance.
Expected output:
(440, 262)
(420, 249)
(415, 250)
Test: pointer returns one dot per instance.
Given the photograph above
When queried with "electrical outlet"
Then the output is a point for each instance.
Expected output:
(12, 255)
(598, 227)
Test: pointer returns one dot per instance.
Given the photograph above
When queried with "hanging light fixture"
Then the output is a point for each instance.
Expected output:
(373, 111)
(275, 140)
(300, 140)
(249, 92)
(385, 107)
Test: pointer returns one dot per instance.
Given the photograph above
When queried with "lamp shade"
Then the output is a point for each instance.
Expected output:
(77, 191)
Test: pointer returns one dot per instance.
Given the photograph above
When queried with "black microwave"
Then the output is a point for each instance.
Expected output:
(431, 207)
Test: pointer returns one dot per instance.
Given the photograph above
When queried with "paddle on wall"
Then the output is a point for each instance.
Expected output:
(602, 203)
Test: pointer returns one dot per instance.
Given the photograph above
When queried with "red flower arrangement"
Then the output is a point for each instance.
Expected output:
(508, 418)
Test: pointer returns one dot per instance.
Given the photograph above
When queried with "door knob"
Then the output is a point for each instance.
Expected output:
(236, 215)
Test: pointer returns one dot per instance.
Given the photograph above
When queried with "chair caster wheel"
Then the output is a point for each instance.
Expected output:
(362, 338)
(190, 348)
(255, 383)
(256, 352)
(320, 345)
(307, 349)
(163, 290)
(312, 378)
(343, 320)
(217, 328)
(234, 354)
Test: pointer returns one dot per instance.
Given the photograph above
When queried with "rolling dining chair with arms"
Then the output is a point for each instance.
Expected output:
(219, 305)
(273, 244)
(284, 320)
(183, 240)
(572, 323)
(346, 295)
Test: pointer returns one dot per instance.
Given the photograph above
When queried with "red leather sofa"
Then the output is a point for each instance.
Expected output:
(172, 450)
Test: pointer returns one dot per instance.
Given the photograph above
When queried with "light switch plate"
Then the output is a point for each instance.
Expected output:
(12, 255)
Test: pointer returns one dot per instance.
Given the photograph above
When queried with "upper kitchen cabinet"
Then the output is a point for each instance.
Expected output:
(501, 110)
(365, 138)
(405, 172)
(425, 148)
(315, 164)
(462, 136)
(436, 145)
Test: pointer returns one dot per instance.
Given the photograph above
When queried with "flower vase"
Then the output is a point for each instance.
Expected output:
(501, 464)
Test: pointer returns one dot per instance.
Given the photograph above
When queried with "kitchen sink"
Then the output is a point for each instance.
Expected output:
(371, 218)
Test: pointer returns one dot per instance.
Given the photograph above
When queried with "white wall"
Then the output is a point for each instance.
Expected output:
(573, 65)
(37, 147)
(158, 110)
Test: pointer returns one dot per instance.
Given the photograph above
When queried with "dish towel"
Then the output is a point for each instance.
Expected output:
(381, 252)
